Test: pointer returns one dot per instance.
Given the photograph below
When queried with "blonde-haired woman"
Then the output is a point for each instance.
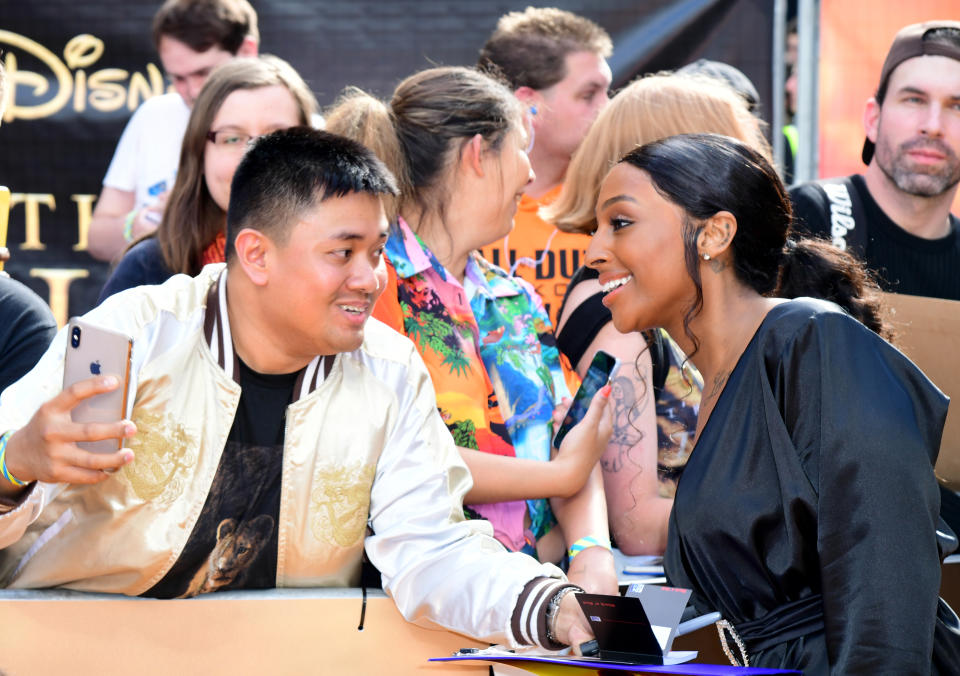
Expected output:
(657, 392)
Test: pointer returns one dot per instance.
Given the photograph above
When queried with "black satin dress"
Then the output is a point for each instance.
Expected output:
(807, 511)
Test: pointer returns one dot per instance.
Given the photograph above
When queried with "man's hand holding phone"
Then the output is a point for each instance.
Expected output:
(45, 449)
(571, 626)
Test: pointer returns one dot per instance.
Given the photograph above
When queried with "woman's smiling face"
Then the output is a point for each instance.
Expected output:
(638, 249)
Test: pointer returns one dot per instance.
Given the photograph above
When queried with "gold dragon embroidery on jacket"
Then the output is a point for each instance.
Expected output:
(340, 503)
(162, 449)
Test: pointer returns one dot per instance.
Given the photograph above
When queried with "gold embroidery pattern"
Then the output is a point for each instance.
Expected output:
(340, 502)
(162, 450)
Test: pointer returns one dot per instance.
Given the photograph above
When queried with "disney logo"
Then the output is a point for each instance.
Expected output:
(106, 90)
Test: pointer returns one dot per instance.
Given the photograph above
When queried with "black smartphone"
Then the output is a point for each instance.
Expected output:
(602, 369)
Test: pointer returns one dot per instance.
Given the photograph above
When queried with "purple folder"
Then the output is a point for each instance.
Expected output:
(591, 664)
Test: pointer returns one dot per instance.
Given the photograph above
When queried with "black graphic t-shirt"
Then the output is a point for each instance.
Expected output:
(234, 542)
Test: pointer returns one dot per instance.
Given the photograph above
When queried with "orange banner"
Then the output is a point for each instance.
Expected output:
(854, 38)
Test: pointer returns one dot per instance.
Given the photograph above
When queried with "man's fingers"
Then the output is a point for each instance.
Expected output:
(84, 461)
(74, 465)
(579, 636)
(121, 429)
(79, 475)
(84, 389)
(571, 625)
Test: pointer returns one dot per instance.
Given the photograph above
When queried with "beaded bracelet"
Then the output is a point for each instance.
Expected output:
(128, 225)
(585, 542)
(3, 461)
(723, 626)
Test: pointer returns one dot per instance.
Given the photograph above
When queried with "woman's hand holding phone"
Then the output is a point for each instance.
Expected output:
(45, 449)
(583, 446)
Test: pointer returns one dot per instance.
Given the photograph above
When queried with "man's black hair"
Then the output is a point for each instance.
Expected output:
(290, 171)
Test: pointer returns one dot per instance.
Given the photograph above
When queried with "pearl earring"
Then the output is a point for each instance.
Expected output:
(705, 256)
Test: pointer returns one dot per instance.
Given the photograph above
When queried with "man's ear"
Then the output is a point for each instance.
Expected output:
(251, 248)
(717, 234)
(248, 48)
(532, 101)
(471, 155)
(871, 119)
(528, 95)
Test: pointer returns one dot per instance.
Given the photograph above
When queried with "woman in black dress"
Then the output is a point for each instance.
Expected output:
(807, 511)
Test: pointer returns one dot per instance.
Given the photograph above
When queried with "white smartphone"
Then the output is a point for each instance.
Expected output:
(94, 351)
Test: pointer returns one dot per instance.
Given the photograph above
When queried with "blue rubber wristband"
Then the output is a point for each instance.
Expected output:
(585, 542)
(3, 461)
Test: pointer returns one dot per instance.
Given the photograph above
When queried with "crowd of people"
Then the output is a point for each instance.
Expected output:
(344, 353)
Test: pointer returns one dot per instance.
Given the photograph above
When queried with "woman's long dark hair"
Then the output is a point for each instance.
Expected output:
(708, 173)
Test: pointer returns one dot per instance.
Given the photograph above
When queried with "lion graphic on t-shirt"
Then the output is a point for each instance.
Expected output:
(237, 547)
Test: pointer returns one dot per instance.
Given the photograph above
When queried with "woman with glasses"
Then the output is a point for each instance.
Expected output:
(243, 99)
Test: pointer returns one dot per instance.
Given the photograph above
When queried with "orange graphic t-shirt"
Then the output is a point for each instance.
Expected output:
(539, 253)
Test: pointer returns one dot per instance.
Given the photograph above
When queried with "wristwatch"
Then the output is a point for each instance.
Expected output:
(552, 609)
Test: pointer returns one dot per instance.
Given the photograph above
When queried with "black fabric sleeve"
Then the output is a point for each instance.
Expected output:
(26, 328)
(584, 322)
(866, 424)
(142, 264)
(582, 327)
(811, 210)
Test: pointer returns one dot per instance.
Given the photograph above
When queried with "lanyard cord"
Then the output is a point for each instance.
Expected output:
(526, 260)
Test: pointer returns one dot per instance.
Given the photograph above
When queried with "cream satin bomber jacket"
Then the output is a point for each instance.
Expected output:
(364, 446)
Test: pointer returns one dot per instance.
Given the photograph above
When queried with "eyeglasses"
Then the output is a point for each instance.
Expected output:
(231, 140)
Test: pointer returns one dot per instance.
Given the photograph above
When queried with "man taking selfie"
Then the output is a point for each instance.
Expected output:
(276, 431)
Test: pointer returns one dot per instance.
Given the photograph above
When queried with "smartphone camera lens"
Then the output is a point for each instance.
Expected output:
(75, 336)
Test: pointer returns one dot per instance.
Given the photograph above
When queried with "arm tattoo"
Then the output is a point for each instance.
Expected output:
(625, 434)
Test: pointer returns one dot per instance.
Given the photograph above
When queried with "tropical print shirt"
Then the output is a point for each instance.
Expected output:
(493, 359)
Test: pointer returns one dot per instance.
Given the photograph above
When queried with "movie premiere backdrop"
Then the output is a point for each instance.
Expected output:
(77, 71)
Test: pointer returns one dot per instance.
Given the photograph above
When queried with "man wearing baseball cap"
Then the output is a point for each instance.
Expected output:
(896, 215)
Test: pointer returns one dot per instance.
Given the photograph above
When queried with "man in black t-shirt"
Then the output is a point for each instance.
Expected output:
(896, 215)
(276, 433)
